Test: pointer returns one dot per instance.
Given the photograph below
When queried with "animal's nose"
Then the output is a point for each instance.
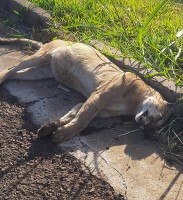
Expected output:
(144, 115)
(143, 119)
(141, 124)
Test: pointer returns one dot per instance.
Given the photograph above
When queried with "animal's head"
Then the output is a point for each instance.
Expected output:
(153, 113)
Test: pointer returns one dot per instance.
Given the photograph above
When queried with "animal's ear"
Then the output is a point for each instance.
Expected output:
(172, 108)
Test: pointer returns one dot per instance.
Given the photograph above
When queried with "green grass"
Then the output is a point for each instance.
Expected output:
(139, 28)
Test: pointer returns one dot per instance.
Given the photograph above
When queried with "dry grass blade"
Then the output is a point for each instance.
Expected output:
(119, 131)
(171, 136)
(177, 136)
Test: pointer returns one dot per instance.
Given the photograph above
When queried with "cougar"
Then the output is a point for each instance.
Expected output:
(109, 91)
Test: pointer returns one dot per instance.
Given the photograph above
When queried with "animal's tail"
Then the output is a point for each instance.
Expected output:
(22, 41)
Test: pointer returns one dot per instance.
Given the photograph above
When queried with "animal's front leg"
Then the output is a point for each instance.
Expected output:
(88, 111)
(70, 115)
(53, 125)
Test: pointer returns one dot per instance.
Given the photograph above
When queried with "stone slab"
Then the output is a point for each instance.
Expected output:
(129, 163)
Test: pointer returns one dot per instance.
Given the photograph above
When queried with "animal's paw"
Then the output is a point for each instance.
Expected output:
(61, 135)
(48, 128)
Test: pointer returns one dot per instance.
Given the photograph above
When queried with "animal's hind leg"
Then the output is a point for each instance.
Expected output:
(32, 74)
(31, 61)
(52, 126)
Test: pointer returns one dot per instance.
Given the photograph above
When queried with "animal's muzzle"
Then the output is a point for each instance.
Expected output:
(144, 119)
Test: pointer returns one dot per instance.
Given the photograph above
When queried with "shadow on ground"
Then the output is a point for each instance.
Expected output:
(35, 168)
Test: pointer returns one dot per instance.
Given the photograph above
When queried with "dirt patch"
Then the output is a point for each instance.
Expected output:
(33, 168)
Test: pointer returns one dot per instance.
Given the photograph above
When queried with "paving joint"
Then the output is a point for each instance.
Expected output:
(41, 99)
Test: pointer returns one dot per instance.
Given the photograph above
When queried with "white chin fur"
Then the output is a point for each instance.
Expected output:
(137, 117)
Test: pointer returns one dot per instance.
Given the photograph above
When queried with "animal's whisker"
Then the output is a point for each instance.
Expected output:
(133, 131)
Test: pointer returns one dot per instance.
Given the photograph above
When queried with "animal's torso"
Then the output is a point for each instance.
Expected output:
(72, 67)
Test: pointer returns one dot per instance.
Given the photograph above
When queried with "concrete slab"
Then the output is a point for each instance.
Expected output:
(129, 163)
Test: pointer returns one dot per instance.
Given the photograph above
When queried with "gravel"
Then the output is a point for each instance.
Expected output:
(35, 168)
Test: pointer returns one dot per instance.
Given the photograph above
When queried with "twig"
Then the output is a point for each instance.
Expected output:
(177, 137)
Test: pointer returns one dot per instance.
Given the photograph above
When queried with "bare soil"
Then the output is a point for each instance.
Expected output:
(33, 168)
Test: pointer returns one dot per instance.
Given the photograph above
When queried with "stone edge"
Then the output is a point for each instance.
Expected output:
(28, 12)
(38, 18)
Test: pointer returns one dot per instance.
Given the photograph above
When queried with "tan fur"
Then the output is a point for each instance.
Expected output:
(109, 90)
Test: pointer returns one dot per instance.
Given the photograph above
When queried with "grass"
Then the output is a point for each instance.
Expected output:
(144, 30)
(148, 31)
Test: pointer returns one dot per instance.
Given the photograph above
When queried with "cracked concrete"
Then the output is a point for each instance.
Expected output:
(129, 163)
